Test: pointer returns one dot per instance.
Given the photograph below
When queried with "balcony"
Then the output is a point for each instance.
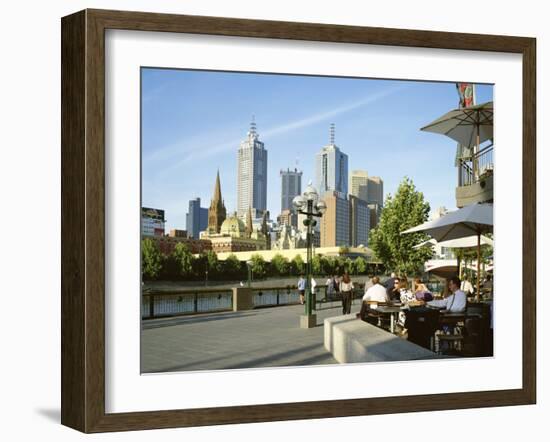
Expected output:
(475, 178)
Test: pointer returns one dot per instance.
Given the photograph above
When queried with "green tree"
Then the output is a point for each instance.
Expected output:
(200, 266)
(326, 267)
(404, 210)
(349, 266)
(298, 265)
(339, 264)
(151, 259)
(259, 267)
(279, 265)
(183, 260)
(213, 264)
(360, 266)
(317, 265)
(232, 267)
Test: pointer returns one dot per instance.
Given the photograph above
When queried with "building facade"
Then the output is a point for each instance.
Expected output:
(196, 218)
(167, 244)
(375, 212)
(369, 189)
(216, 212)
(331, 169)
(359, 184)
(375, 190)
(251, 175)
(288, 218)
(359, 217)
(335, 222)
(152, 222)
(291, 186)
(235, 237)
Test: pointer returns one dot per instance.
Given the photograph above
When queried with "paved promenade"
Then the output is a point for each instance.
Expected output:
(268, 337)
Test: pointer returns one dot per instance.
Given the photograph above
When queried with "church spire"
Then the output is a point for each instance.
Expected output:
(217, 189)
(249, 228)
(217, 212)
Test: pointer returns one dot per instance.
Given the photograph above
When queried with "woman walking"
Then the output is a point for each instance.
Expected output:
(346, 288)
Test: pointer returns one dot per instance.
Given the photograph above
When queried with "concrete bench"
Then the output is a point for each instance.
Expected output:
(351, 340)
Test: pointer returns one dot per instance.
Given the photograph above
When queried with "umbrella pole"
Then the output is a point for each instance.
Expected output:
(478, 263)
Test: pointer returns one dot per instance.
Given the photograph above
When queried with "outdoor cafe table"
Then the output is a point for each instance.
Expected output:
(391, 310)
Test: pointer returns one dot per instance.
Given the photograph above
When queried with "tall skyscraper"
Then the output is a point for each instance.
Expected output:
(196, 218)
(291, 185)
(359, 217)
(371, 190)
(368, 188)
(216, 212)
(375, 190)
(331, 168)
(252, 175)
(359, 184)
(335, 221)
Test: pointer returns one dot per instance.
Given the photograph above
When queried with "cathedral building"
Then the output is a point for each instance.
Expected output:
(216, 212)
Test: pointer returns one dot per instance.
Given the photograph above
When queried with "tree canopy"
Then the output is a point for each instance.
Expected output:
(401, 212)
(151, 259)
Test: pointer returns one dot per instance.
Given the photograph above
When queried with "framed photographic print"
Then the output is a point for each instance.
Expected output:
(253, 208)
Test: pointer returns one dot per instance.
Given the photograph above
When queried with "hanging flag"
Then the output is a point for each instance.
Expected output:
(465, 99)
(465, 94)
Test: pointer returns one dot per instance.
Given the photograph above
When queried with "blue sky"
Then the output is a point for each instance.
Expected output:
(193, 121)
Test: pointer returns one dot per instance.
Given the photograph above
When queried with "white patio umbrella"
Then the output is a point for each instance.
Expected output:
(470, 126)
(462, 223)
(460, 243)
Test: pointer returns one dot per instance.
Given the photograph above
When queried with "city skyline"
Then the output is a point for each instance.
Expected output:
(183, 146)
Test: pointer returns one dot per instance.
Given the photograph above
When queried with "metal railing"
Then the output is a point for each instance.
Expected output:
(184, 302)
(157, 304)
(474, 169)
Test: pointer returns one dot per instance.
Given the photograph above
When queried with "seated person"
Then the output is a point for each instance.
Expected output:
(376, 292)
(421, 292)
(394, 293)
(405, 294)
(456, 301)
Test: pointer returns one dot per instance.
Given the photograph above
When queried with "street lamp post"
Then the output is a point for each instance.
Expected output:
(309, 204)
(249, 267)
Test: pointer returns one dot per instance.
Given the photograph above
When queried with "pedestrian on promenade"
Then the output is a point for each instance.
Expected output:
(302, 288)
(346, 288)
(330, 287)
(313, 291)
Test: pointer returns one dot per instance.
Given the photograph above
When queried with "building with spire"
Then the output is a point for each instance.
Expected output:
(252, 175)
(216, 212)
(331, 168)
(249, 226)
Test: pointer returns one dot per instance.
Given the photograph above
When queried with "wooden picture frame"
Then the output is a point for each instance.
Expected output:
(83, 220)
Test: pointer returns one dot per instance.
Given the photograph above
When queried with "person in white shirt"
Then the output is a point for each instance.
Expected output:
(377, 292)
(454, 303)
(346, 288)
(467, 287)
